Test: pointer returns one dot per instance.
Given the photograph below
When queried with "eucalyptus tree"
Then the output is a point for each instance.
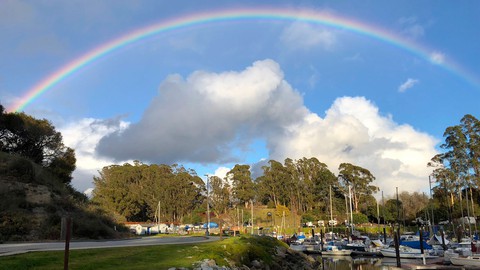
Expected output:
(471, 128)
(242, 185)
(447, 183)
(311, 179)
(134, 192)
(220, 195)
(460, 161)
(359, 179)
(274, 185)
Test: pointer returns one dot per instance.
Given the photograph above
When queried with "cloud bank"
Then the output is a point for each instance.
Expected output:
(212, 118)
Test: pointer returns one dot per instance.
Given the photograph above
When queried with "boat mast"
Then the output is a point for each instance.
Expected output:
(351, 214)
(331, 206)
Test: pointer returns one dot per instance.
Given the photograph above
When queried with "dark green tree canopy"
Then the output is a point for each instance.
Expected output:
(134, 192)
(359, 179)
(242, 184)
(38, 141)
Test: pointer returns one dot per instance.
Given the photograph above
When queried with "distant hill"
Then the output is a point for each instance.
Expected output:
(33, 202)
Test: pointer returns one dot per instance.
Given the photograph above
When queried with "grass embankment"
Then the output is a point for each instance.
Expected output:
(237, 250)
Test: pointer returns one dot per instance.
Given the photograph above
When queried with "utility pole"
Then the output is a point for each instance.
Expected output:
(207, 233)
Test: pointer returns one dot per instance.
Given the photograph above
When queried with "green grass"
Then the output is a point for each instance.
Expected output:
(239, 250)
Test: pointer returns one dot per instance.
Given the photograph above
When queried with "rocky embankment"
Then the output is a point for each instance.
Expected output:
(285, 258)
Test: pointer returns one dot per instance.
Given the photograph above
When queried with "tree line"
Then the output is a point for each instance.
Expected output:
(135, 192)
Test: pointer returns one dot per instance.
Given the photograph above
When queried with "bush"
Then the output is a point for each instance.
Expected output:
(359, 218)
(22, 169)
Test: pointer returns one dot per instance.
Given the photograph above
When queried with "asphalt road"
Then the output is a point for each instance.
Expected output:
(17, 248)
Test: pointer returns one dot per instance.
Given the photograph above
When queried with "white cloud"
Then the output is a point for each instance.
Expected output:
(222, 172)
(353, 131)
(300, 35)
(206, 117)
(83, 136)
(209, 118)
(407, 85)
(437, 58)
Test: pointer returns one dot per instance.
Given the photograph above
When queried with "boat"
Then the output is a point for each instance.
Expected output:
(405, 252)
(473, 260)
(298, 246)
(311, 246)
(332, 250)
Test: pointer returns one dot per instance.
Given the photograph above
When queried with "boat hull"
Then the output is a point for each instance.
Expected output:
(466, 261)
(412, 254)
(342, 252)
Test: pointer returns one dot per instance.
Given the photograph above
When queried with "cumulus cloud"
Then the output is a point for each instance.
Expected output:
(83, 136)
(300, 35)
(354, 131)
(437, 57)
(209, 118)
(407, 85)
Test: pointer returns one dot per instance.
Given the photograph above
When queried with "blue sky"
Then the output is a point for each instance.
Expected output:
(212, 95)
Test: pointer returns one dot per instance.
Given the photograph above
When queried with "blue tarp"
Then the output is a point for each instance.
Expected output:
(415, 244)
(212, 225)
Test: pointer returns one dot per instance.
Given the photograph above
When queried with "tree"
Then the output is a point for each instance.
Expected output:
(220, 195)
(457, 168)
(274, 183)
(242, 184)
(133, 192)
(359, 179)
(38, 141)
(413, 204)
(471, 128)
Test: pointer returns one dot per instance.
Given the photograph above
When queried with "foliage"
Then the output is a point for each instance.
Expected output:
(219, 196)
(38, 141)
(359, 218)
(302, 185)
(135, 191)
(358, 180)
(242, 185)
(457, 170)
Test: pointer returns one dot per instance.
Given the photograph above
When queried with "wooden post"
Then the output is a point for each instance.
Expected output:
(421, 246)
(384, 235)
(321, 239)
(396, 238)
(443, 240)
(68, 234)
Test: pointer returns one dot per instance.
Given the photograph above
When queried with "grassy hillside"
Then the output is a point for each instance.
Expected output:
(34, 202)
(265, 252)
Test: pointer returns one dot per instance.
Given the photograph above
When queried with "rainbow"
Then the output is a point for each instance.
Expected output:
(308, 16)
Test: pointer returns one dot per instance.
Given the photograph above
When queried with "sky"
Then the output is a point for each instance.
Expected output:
(211, 84)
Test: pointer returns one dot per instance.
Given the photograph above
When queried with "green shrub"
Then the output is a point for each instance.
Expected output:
(22, 169)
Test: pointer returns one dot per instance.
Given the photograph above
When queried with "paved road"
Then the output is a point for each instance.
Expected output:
(11, 249)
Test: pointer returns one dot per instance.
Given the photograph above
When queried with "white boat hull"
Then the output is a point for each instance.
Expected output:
(466, 261)
(342, 252)
(405, 253)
